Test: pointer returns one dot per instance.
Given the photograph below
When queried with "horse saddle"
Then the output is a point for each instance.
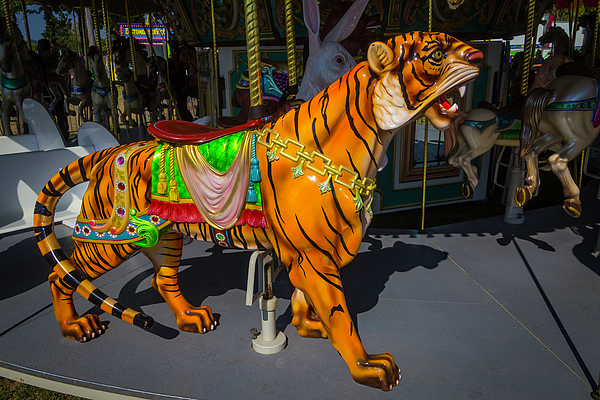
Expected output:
(201, 174)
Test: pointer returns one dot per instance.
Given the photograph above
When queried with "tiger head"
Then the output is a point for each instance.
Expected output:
(414, 72)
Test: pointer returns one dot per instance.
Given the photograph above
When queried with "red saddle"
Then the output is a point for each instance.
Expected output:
(190, 133)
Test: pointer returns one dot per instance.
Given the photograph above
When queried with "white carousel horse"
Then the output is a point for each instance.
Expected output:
(13, 81)
(474, 133)
(101, 96)
(566, 111)
(81, 84)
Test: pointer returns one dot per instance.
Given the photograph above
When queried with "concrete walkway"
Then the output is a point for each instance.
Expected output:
(476, 310)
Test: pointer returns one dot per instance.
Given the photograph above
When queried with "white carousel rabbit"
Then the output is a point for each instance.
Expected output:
(328, 60)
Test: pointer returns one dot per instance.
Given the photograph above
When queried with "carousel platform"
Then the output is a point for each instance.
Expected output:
(474, 310)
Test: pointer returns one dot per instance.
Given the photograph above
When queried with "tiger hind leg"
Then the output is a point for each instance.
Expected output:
(165, 257)
(72, 326)
(305, 319)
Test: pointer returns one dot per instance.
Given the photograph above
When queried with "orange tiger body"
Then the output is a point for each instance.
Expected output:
(318, 164)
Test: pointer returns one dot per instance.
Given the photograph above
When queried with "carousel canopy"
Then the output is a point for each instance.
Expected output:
(466, 19)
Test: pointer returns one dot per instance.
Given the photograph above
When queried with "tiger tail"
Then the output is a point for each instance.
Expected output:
(43, 220)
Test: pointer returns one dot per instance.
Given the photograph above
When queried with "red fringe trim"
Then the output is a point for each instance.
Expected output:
(187, 212)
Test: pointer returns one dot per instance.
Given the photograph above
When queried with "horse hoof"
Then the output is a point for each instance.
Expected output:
(573, 208)
(467, 190)
(522, 196)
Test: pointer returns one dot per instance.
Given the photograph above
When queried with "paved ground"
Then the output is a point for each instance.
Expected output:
(476, 310)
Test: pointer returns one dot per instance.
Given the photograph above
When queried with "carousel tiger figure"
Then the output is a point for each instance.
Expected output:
(301, 184)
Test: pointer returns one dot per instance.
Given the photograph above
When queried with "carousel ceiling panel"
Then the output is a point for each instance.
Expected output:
(468, 19)
(114, 7)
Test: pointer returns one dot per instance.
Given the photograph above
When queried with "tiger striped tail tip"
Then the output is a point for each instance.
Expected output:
(143, 321)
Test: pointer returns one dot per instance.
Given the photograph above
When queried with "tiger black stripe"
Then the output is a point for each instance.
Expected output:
(315, 137)
(54, 257)
(257, 241)
(296, 113)
(353, 126)
(324, 101)
(339, 207)
(300, 258)
(41, 209)
(74, 278)
(403, 87)
(339, 235)
(338, 287)
(316, 246)
(66, 177)
(50, 191)
(42, 232)
(82, 170)
(353, 166)
(272, 183)
(359, 112)
(239, 236)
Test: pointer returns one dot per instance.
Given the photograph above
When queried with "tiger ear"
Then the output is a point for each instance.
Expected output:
(380, 57)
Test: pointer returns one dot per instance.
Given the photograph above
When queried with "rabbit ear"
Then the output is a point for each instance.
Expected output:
(312, 20)
(347, 23)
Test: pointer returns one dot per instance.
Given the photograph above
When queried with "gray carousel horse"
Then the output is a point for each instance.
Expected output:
(474, 133)
(81, 84)
(565, 112)
(133, 101)
(557, 36)
(101, 96)
(14, 83)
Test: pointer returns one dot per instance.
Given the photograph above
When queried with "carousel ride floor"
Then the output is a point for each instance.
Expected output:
(474, 310)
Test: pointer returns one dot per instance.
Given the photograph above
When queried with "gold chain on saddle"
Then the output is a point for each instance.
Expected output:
(341, 175)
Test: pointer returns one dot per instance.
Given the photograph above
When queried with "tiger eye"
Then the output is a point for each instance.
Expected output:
(437, 55)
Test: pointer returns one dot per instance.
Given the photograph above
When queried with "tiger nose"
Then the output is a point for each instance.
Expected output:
(475, 58)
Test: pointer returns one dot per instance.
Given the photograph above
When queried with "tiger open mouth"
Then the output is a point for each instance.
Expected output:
(445, 105)
(441, 112)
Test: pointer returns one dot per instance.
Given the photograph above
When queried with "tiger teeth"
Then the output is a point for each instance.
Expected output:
(462, 89)
(454, 108)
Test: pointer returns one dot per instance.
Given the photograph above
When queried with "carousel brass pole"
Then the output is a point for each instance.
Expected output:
(111, 67)
(595, 47)
(426, 135)
(290, 37)
(131, 41)
(26, 23)
(8, 17)
(96, 26)
(253, 46)
(527, 48)
(84, 36)
(215, 59)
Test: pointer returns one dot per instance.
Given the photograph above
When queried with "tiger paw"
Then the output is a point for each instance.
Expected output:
(196, 320)
(82, 329)
(378, 371)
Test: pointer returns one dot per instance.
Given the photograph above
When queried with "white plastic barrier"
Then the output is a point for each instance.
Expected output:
(24, 173)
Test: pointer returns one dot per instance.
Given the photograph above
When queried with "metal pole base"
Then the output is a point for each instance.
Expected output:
(272, 347)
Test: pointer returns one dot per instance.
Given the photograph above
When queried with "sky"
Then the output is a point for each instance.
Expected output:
(36, 25)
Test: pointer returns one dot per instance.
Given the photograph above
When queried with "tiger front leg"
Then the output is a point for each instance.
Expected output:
(72, 326)
(165, 257)
(322, 285)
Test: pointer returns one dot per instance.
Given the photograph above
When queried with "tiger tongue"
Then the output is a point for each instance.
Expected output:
(444, 102)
